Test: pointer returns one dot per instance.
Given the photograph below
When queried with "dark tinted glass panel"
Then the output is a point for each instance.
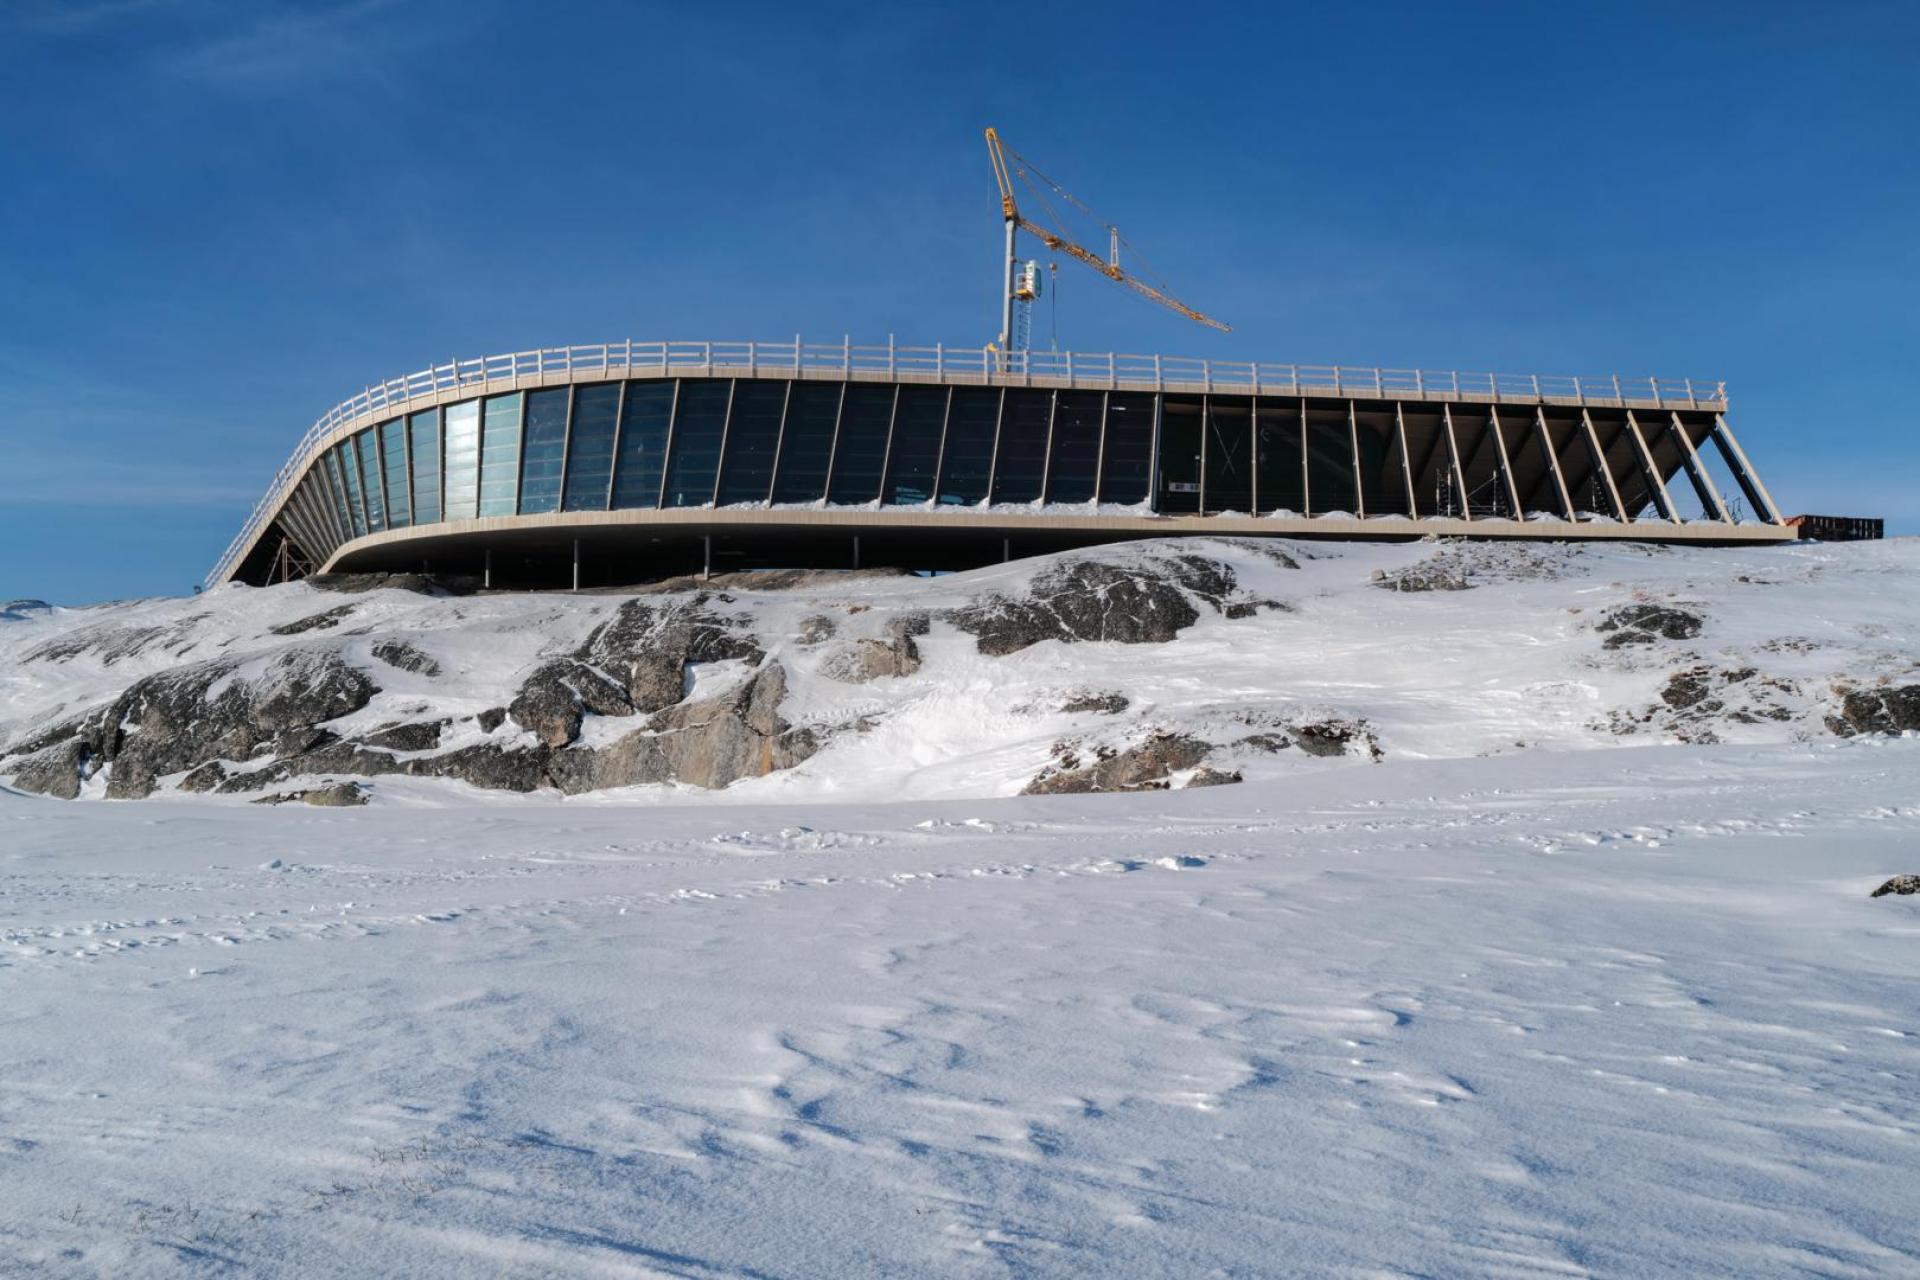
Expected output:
(914, 455)
(1129, 451)
(463, 460)
(1179, 455)
(697, 425)
(423, 435)
(753, 433)
(643, 444)
(1330, 463)
(544, 446)
(353, 522)
(1385, 487)
(1229, 455)
(590, 451)
(807, 447)
(968, 462)
(393, 470)
(1022, 456)
(1074, 467)
(863, 444)
(500, 455)
(368, 451)
(1277, 456)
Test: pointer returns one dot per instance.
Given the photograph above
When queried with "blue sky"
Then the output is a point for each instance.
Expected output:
(218, 217)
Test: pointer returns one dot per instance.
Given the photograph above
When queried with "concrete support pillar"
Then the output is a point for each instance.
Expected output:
(706, 556)
(576, 564)
(486, 573)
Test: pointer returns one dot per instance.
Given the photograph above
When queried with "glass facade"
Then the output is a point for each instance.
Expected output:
(644, 421)
(691, 442)
(1073, 459)
(500, 455)
(372, 492)
(423, 442)
(1020, 460)
(966, 463)
(463, 460)
(699, 423)
(596, 416)
(861, 454)
(543, 450)
(753, 438)
(913, 455)
(1126, 466)
(393, 472)
(813, 410)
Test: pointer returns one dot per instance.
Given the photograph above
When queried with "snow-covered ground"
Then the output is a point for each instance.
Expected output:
(1596, 1013)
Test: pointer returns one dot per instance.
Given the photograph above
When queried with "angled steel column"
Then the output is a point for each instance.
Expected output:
(1506, 464)
(613, 462)
(1453, 454)
(1600, 465)
(1406, 462)
(1253, 440)
(833, 445)
(726, 432)
(666, 450)
(940, 457)
(1703, 486)
(1206, 423)
(993, 458)
(1655, 484)
(1743, 472)
(1306, 494)
(1353, 434)
(1100, 457)
(1553, 461)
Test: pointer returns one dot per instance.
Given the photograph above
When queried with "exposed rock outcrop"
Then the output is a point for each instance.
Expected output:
(1149, 601)
(338, 795)
(895, 654)
(1146, 767)
(1894, 709)
(555, 699)
(1898, 885)
(403, 656)
(1645, 623)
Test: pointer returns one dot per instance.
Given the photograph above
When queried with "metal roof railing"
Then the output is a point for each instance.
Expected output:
(985, 365)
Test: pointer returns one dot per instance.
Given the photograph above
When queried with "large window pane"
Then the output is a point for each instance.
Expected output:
(340, 470)
(541, 453)
(1179, 488)
(367, 450)
(698, 424)
(500, 455)
(1074, 468)
(596, 409)
(393, 469)
(1277, 456)
(463, 460)
(862, 450)
(1229, 455)
(753, 433)
(1023, 446)
(643, 444)
(915, 452)
(423, 434)
(807, 447)
(1128, 460)
(1330, 462)
(968, 463)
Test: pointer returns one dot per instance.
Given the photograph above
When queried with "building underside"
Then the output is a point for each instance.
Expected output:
(617, 471)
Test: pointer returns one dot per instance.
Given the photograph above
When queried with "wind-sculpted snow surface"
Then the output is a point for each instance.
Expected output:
(1620, 1013)
(1146, 665)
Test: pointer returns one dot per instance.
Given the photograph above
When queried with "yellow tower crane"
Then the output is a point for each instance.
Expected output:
(1010, 167)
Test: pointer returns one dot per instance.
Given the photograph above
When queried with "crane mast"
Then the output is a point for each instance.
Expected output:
(1009, 167)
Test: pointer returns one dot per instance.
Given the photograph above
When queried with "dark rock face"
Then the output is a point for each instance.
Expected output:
(1889, 710)
(556, 697)
(55, 771)
(422, 583)
(1106, 704)
(490, 719)
(1334, 738)
(402, 656)
(316, 622)
(894, 655)
(1685, 689)
(1433, 575)
(1898, 885)
(1146, 767)
(1645, 623)
(647, 645)
(1210, 777)
(1149, 602)
(817, 629)
(335, 796)
(422, 735)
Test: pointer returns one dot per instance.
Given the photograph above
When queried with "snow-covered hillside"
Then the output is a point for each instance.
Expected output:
(1447, 985)
(1146, 665)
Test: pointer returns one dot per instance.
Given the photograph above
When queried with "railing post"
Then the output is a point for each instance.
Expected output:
(892, 357)
(796, 370)
(939, 361)
(1616, 390)
(1159, 381)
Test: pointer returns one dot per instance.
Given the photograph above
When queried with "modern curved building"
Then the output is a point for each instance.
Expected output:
(623, 462)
